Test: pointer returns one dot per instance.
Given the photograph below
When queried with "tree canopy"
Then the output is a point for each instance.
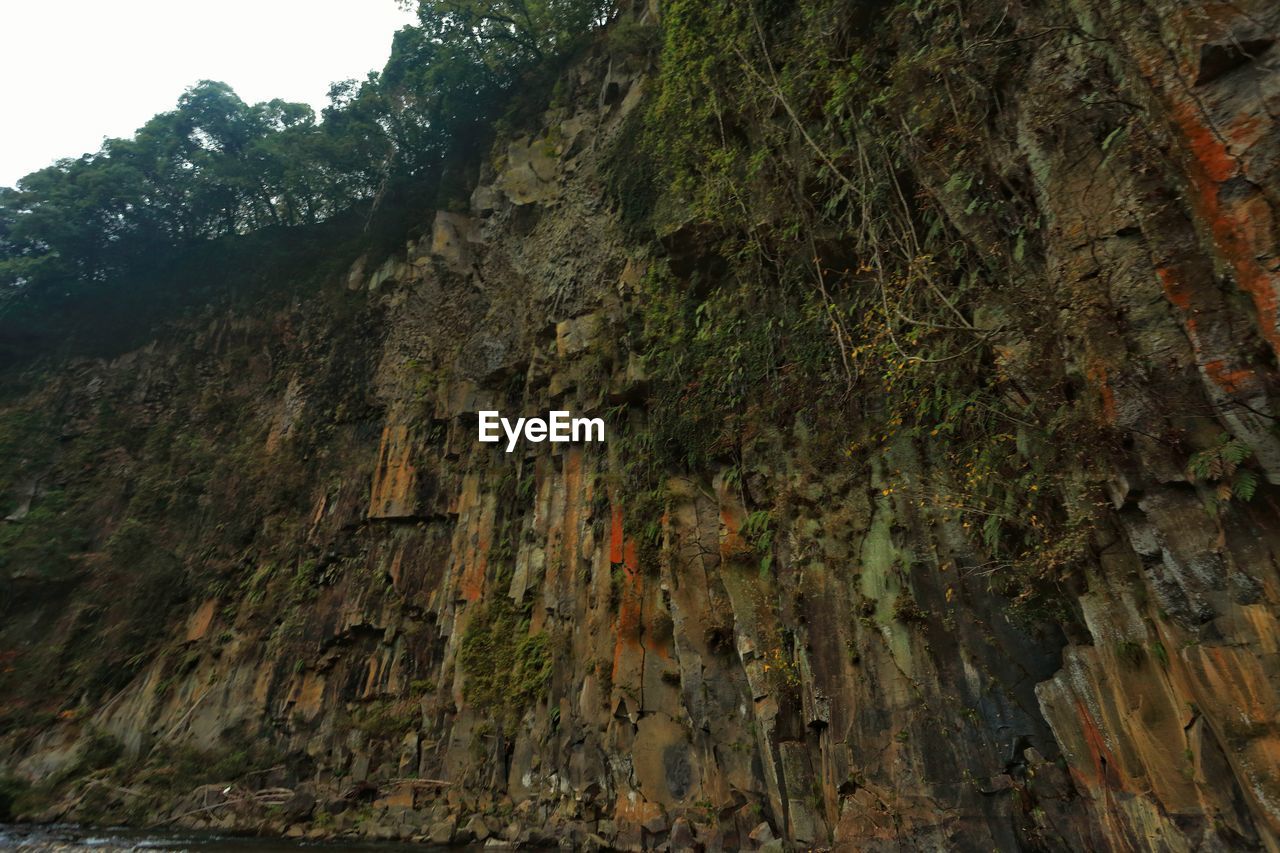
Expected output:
(216, 166)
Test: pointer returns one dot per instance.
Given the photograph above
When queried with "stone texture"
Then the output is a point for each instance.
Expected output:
(1153, 724)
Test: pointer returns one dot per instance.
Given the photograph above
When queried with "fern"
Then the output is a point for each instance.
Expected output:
(1219, 467)
(1234, 451)
(1245, 485)
(757, 529)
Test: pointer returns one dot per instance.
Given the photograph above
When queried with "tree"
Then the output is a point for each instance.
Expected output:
(508, 35)
(215, 166)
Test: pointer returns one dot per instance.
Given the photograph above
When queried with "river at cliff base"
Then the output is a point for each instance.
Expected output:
(72, 837)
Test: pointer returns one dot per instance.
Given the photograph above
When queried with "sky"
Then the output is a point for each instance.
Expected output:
(73, 72)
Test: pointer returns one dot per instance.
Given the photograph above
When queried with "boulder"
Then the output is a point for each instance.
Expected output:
(442, 832)
(762, 834)
(298, 807)
(476, 828)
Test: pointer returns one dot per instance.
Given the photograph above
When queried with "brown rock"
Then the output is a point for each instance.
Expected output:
(443, 831)
(476, 828)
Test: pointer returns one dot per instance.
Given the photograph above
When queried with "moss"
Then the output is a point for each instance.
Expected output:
(632, 37)
(388, 719)
(1130, 652)
(762, 313)
(182, 768)
(507, 669)
(1161, 654)
(46, 538)
(631, 179)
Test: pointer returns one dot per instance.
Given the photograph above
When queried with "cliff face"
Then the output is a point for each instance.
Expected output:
(268, 549)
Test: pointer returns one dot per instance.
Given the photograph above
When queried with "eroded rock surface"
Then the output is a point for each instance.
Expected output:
(440, 640)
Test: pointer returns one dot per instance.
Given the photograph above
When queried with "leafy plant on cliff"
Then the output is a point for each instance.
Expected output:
(506, 667)
(757, 529)
(838, 258)
(1219, 467)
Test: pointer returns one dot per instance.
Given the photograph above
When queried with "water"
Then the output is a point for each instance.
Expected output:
(71, 838)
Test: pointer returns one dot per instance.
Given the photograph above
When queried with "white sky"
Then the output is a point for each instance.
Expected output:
(75, 71)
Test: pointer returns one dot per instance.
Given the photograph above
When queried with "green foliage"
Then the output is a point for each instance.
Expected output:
(631, 37)
(388, 720)
(183, 768)
(130, 544)
(1130, 652)
(757, 529)
(1220, 461)
(44, 540)
(507, 36)
(506, 667)
(810, 282)
(1219, 467)
(216, 166)
(213, 166)
(710, 355)
(632, 178)
(23, 431)
(309, 576)
(701, 53)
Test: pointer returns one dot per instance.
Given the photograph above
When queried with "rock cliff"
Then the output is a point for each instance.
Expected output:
(1002, 577)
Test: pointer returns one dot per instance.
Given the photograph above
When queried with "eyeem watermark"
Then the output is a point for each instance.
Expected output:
(558, 427)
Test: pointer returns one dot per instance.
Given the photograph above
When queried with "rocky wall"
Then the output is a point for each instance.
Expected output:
(444, 640)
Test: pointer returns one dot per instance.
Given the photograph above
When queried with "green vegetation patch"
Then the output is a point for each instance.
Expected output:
(507, 669)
